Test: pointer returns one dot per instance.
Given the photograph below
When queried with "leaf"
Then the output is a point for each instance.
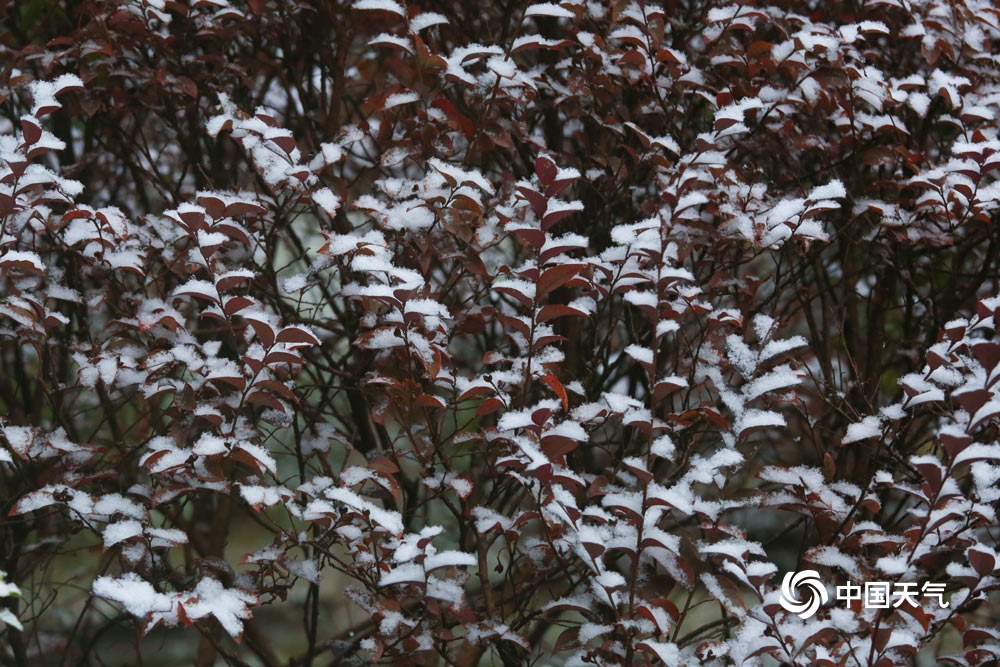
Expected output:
(235, 304)
(200, 289)
(282, 357)
(546, 169)
(298, 335)
(263, 329)
(22, 262)
(555, 277)
(558, 388)
(533, 238)
(538, 201)
(32, 130)
(489, 406)
(557, 210)
(429, 401)
(230, 279)
(982, 561)
(556, 310)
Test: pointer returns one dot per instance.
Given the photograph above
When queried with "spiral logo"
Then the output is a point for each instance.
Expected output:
(817, 594)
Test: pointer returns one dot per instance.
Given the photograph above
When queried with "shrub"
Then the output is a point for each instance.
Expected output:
(552, 333)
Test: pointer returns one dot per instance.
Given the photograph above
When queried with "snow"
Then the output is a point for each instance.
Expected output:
(399, 99)
(120, 531)
(741, 356)
(263, 496)
(663, 447)
(426, 20)
(404, 43)
(427, 307)
(486, 519)
(832, 190)
(137, 596)
(19, 438)
(403, 574)
(567, 429)
(549, 9)
(229, 606)
(306, 569)
(166, 537)
(779, 378)
(209, 445)
(114, 503)
(643, 355)
(43, 93)
(449, 559)
(326, 200)
(23, 257)
(259, 454)
(387, 519)
(447, 591)
(522, 287)
(199, 288)
(869, 427)
(383, 5)
(831, 556)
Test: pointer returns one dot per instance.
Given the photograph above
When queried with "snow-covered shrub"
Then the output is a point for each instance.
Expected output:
(551, 333)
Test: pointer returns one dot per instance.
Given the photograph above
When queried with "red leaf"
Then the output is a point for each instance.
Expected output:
(557, 387)
(557, 310)
(31, 129)
(557, 276)
(537, 200)
(514, 292)
(476, 391)
(297, 335)
(227, 282)
(533, 238)
(263, 331)
(282, 357)
(546, 169)
(236, 304)
(428, 401)
(556, 447)
(489, 406)
(982, 562)
(264, 398)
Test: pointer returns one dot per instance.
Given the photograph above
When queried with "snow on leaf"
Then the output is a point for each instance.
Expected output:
(201, 289)
(408, 573)
(121, 531)
(380, 5)
(229, 606)
(425, 20)
(137, 596)
(449, 559)
(548, 9)
(869, 427)
(387, 519)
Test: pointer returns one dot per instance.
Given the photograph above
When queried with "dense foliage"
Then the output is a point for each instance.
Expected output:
(551, 333)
